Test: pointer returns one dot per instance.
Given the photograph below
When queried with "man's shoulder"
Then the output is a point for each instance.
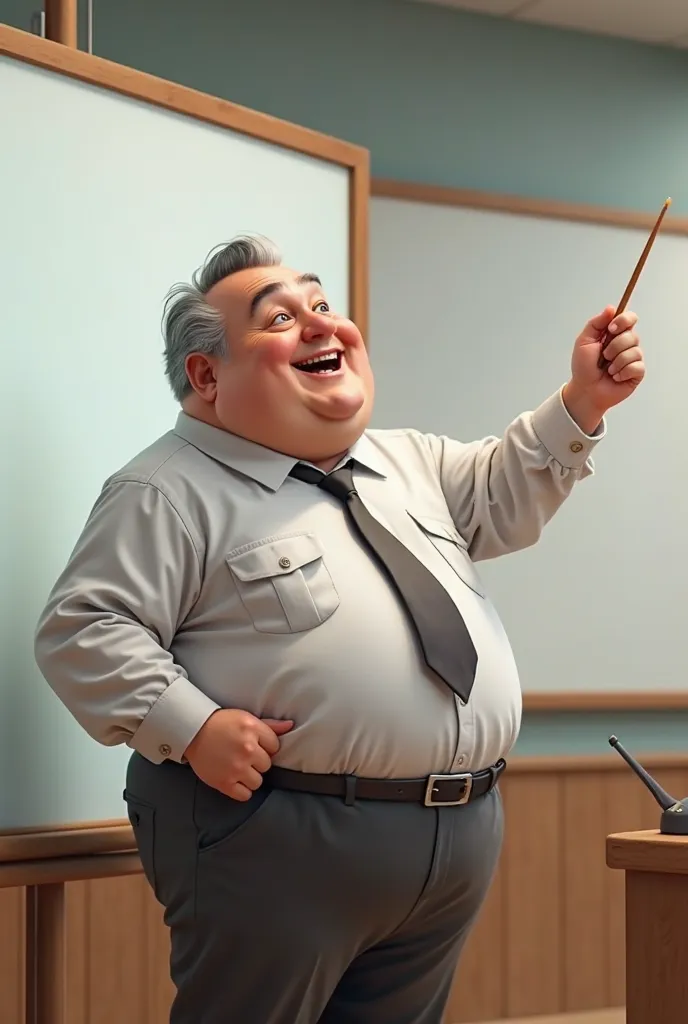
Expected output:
(402, 449)
(154, 464)
(400, 441)
(164, 475)
(168, 465)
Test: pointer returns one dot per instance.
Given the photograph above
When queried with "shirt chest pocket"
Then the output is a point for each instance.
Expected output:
(448, 541)
(284, 583)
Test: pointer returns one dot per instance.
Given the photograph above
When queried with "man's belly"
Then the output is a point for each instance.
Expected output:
(385, 731)
(360, 694)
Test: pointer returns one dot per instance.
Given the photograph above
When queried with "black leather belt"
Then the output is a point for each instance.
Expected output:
(433, 791)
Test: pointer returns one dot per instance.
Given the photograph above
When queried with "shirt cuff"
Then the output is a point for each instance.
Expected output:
(561, 435)
(172, 722)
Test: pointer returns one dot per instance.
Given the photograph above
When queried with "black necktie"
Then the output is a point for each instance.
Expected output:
(444, 638)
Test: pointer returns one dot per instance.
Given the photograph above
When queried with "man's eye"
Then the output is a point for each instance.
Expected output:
(321, 307)
(276, 319)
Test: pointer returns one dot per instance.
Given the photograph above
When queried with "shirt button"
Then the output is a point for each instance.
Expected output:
(461, 760)
(284, 562)
(165, 749)
(576, 446)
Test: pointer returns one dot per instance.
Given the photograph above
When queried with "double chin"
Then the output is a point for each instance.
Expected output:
(341, 403)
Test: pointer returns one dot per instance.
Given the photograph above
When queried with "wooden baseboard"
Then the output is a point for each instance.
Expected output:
(596, 1017)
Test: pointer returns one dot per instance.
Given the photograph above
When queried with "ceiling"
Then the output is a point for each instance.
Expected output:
(649, 21)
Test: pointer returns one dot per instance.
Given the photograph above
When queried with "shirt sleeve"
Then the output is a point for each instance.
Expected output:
(102, 642)
(501, 492)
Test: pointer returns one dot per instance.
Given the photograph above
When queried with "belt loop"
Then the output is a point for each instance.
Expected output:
(349, 790)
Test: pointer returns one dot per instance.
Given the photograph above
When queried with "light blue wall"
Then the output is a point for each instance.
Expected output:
(449, 98)
(436, 95)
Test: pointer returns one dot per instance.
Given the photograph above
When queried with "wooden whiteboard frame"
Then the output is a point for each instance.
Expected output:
(108, 837)
(552, 700)
(65, 60)
(526, 206)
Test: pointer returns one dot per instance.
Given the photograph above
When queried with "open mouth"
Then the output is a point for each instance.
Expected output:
(328, 362)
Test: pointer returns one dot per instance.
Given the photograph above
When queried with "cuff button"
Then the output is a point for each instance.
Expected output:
(165, 749)
(576, 446)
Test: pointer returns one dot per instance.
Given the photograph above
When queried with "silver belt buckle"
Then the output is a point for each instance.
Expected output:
(434, 779)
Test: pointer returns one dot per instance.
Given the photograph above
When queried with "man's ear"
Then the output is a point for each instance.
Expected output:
(201, 373)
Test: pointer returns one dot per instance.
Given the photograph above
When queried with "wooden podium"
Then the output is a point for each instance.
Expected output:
(656, 869)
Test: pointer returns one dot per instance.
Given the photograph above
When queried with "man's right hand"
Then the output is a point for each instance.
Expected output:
(233, 750)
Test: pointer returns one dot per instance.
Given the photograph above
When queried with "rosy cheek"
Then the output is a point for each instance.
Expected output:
(348, 333)
(275, 349)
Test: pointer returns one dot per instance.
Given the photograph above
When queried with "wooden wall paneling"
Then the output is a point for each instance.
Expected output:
(533, 897)
(12, 958)
(46, 954)
(159, 987)
(108, 952)
(584, 884)
(550, 938)
(626, 811)
(80, 942)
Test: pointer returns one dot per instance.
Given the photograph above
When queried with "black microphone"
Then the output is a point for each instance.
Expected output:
(674, 820)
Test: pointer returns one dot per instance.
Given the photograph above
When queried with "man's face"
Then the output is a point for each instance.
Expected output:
(297, 379)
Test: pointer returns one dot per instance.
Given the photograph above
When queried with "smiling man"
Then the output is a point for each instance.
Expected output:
(278, 610)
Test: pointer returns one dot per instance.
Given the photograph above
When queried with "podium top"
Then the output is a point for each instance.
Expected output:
(648, 851)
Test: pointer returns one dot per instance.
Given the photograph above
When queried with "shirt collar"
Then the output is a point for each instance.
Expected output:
(265, 466)
(366, 454)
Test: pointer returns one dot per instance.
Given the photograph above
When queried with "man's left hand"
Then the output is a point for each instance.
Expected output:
(591, 390)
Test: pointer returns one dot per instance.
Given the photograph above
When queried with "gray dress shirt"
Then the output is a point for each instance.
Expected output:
(206, 577)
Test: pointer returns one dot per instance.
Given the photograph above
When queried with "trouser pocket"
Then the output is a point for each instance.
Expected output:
(142, 819)
(219, 819)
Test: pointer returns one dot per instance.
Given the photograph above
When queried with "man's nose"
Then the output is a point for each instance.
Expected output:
(318, 327)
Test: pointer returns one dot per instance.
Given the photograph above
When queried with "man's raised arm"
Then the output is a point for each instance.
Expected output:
(501, 492)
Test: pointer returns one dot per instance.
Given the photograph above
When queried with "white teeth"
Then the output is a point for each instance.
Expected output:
(318, 359)
(328, 358)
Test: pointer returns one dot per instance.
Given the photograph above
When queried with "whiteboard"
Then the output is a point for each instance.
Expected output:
(107, 202)
(473, 318)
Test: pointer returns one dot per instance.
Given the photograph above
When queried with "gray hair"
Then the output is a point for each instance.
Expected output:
(190, 323)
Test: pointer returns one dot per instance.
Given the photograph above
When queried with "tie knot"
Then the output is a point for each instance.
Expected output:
(339, 484)
(309, 474)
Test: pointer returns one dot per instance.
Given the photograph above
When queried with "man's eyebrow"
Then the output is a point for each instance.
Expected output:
(309, 279)
(275, 286)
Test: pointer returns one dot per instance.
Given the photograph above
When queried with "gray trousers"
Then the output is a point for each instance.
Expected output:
(299, 909)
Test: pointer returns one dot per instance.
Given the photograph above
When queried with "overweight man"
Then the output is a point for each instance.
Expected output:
(277, 609)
